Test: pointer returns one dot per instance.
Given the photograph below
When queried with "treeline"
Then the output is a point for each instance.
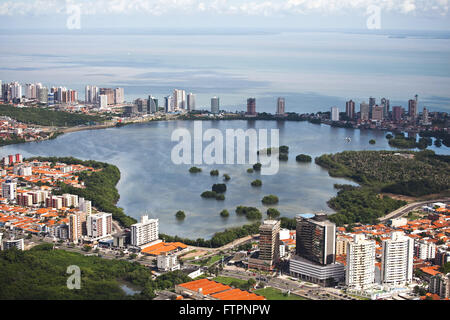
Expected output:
(46, 117)
(41, 273)
(441, 135)
(422, 174)
(100, 186)
(219, 239)
(360, 204)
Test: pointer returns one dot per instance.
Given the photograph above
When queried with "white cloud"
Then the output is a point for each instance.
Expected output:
(226, 7)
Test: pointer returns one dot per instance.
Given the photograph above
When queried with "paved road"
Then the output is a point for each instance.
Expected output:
(410, 207)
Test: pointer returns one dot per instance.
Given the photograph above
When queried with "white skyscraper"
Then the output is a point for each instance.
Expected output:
(215, 105)
(103, 101)
(334, 114)
(360, 262)
(168, 103)
(145, 231)
(397, 259)
(9, 188)
(179, 99)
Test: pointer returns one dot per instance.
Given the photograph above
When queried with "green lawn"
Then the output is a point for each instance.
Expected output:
(229, 280)
(209, 262)
(275, 294)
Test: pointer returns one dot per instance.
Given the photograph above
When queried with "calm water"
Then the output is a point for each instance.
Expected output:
(152, 183)
(313, 70)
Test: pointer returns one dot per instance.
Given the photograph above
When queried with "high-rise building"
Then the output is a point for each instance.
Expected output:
(350, 109)
(145, 231)
(377, 113)
(168, 104)
(386, 106)
(397, 114)
(316, 239)
(91, 94)
(372, 103)
(42, 95)
(269, 246)
(19, 244)
(99, 225)
(425, 250)
(251, 106)
(119, 96)
(9, 189)
(413, 108)
(109, 93)
(102, 101)
(191, 101)
(360, 271)
(85, 205)
(397, 259)
(152, 104)
(179, 99)
(315, 252)
(440, 285)
(364, 109)
(167, 262)
(215, 105)
(281, 104)
(334, 114)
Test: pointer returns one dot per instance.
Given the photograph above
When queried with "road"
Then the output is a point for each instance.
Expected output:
(410, 207)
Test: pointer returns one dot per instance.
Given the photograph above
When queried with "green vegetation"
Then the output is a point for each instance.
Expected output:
(41, 273)
(235, 282)
(257, 166)
(46, 117)
(288, 223)
(13, 139)
(402, 142)
(219, 188)
(208, 262)
(226, 177)
(251, 213)
(256, 183)
(303, 158)
(411, 173)
(273, 213)
(445, 268)
(180, 215)
(214, 173)
(195, 170)
(270, 199)
(212, 194)
(284, 149)
(283, 157)
(250, 170)
(224, 213)
(100, 186)
(218, 239)
(356, 204)
(275, 294)
(441, 135)
(372, 141)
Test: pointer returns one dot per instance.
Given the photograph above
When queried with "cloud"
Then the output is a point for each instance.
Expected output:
(224, 7)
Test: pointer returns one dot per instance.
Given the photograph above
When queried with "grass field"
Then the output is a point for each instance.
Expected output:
(275, 294)
(229, 280)
(208, 262)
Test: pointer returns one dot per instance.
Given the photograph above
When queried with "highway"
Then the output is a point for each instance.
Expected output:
(410, 207)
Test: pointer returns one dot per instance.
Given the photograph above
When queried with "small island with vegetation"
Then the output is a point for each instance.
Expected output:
(303, 158)
(270, 199)
(250, 213)
(180, 215)
(195, 170)
(256, 183)
(214, 173)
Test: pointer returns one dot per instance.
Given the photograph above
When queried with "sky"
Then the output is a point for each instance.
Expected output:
(310, 14)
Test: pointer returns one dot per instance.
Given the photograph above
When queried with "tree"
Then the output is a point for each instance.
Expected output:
(195, 170)
(303, 158)
(180, 215)
(257, 166)
(372, 141)
(250, 170)
(214, 173)
(256, 183)
(226, 177)
(219, 188)
(270, 199)
(224, 213)
(273, 213)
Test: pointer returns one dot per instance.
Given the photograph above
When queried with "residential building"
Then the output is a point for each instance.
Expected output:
(397, 112)
(179, 99)
(109, 93)
(19, 244)
(9, 189)
(191, 101)
(440, 285)
(168, 104)
(364, 111)
(377, 113)
(144, 232)
(251, 106)
(360, 271)
(167, 262)
(397, 259)
(281, 106)
(425, 250)
(102, 101)
(99, 225)
(215, 105)
(334, 114)
(350, 109)
(119, 96)
(269, 246)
